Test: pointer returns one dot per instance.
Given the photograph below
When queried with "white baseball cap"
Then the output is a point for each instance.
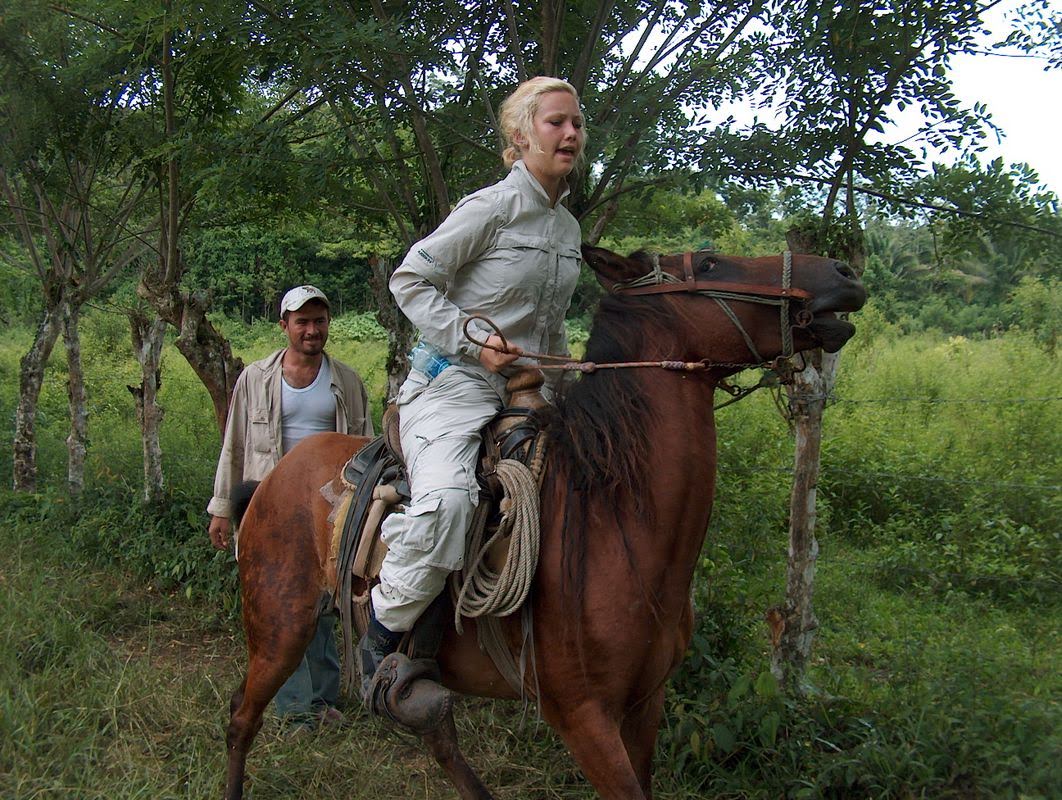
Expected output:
(299, 296)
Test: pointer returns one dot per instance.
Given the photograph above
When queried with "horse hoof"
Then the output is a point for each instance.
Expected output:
(407, 693)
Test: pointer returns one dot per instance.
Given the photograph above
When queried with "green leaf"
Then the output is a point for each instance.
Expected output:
(769, 728)
(739, 689)
(766, 685)
(724, 737)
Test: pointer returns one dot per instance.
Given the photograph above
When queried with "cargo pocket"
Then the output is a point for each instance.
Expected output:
(528, 264)
(259, 430)
(567, 273)
(432, 478)
(468, 476)
(414, 531)
(411, 387)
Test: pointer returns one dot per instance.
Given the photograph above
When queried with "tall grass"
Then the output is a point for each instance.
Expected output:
(938, 584)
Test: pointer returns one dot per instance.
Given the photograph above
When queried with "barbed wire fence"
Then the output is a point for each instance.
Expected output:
(207, 456)
(910, 476)
(834, 400)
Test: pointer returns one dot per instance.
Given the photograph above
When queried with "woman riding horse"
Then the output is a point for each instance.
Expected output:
(509, 252)
(624, 509)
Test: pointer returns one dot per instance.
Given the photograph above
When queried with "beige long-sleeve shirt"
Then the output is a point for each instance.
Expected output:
(503, 252)
(253, 436)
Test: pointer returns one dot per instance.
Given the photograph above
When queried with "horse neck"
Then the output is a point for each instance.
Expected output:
(631, 484)
(682, 459)
(648, 535)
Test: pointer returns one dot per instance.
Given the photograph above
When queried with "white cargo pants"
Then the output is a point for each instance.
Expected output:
(440, 431)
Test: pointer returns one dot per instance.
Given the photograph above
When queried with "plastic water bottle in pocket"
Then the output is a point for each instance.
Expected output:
(426, 359)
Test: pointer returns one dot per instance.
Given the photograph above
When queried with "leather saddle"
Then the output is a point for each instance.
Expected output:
(374, 483)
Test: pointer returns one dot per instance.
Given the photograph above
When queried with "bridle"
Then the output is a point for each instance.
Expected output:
(658, 281)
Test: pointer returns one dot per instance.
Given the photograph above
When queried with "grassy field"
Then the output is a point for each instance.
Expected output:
(935, 670)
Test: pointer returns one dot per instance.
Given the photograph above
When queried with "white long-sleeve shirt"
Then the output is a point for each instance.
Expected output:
(503, 252)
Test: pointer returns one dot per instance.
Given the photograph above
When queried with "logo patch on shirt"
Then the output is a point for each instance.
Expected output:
(425, 255)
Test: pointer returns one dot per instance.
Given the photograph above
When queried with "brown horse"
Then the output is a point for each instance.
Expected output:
(624, 511)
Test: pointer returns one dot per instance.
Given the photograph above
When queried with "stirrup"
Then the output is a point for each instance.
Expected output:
(408, 694)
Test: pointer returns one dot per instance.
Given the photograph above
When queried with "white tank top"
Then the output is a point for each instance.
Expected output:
(309, 410)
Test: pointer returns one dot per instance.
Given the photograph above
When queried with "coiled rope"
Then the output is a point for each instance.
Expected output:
(484, 591)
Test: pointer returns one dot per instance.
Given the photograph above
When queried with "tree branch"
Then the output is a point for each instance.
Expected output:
(514, 40)
(903, 201)
(582, 65)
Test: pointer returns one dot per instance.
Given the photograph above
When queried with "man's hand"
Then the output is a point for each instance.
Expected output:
(495, 361)
(219, 532)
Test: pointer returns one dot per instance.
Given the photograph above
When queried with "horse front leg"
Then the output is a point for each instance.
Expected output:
(594, 739)
(442, 742)
(237, 745)
(639, 731)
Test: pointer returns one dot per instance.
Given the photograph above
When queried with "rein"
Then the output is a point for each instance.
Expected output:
(660, 282)
(568, 364)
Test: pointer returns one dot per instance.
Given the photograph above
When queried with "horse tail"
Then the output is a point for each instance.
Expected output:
(241, 498)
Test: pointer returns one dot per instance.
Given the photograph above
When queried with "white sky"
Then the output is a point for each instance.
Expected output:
(1025, 102)
(1023, 99)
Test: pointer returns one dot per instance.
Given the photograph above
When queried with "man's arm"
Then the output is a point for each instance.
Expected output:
(355, 399)
(230, 467)
(366, 414)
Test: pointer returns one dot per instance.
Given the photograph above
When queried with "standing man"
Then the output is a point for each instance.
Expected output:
(297, 391)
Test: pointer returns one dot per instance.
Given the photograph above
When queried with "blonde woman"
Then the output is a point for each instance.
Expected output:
(509, 252)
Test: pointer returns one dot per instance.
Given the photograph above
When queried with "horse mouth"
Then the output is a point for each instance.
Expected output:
(831, 333)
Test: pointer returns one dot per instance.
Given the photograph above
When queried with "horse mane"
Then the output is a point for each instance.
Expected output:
(599, 427)
(598, 431)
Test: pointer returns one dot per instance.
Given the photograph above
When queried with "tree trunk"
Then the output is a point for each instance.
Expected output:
(148, 336)
(31, 376)
(793, 625)
(400, 333)
(602, 222)
(796, 626)
(77, 441)
(207, 351)
(209, 354)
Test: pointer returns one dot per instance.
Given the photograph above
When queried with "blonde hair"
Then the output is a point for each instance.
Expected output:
(517, 113)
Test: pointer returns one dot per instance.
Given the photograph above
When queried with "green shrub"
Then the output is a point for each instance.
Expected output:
(947, 451)
(166, 544)
(578, 331)
(972, 550)
(915, 700)
(358, 328)
(1036, 306)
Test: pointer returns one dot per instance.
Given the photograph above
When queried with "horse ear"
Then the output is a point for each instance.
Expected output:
(611, 268)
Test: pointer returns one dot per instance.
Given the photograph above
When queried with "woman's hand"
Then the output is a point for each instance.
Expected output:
(495, 361)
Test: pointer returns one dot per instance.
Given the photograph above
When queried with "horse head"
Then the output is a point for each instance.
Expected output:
(748, 295)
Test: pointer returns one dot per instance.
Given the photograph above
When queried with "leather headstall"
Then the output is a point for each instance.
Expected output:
(689, 283)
